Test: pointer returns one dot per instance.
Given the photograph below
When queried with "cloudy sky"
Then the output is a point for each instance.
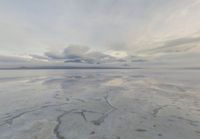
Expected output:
(99, 31)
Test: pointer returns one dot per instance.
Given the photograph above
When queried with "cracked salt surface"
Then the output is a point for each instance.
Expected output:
(100, 104)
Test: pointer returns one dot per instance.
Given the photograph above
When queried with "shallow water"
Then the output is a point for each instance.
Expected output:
(100, 104)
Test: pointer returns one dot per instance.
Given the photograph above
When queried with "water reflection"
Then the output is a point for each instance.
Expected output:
(99, 104)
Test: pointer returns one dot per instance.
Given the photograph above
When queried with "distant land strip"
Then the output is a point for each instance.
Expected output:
(65, 67)
(94, 67)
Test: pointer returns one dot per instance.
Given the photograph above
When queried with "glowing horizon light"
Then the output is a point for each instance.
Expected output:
(117, 54)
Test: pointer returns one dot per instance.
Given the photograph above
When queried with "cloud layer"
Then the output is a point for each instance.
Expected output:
(106, 31)
(80, 54)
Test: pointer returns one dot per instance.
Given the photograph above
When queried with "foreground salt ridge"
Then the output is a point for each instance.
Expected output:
(100, 105)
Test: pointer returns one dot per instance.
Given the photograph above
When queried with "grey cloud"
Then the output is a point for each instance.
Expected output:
(177, 45)
(54, 56)
(71, 52)
(119, 46)
(74, 50)
(39, 57)
(8, 59)
(129, 23)
(13, 60)
(80, 54)
(180, 41)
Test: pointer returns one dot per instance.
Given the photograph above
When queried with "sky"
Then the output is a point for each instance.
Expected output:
(99, 32)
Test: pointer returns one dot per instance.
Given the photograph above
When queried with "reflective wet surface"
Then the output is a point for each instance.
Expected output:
(100, 104)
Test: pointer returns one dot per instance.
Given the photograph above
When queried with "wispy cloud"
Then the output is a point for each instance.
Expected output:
(12, 59)
(106, 31)
(179, 45)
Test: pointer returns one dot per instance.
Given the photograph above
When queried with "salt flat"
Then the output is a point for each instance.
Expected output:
(100, 104)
